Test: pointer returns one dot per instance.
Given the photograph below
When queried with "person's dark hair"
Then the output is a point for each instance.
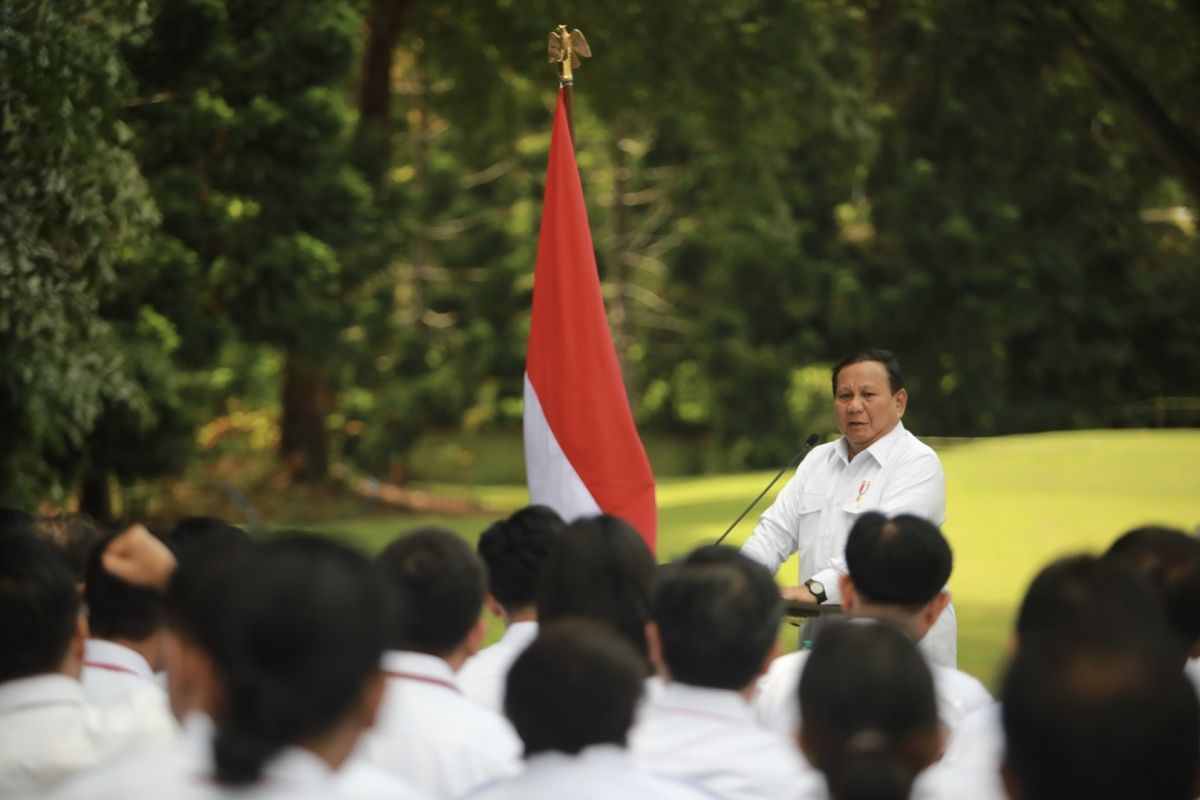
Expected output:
(1105, 715)
(196, 593)
(201, 533)
(718, 616)
(1084, 592)
(308, 622)
(599, 568)
(442, 582)
(514, 550)
(38, 607)
(117, 609)
(1170, 560)
(902, 561)
(885, 357)
(577, 685)
(14, 520)
(868, 710)
(73, 536)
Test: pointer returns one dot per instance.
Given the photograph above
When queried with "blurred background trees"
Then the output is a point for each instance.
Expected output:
(327, 212)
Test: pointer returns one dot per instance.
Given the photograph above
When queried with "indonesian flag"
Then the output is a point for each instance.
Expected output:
(583, 456)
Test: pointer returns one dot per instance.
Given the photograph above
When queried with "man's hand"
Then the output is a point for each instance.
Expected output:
(799, 594)
(139, 557)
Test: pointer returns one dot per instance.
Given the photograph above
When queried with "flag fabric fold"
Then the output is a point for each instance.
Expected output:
(583, 455)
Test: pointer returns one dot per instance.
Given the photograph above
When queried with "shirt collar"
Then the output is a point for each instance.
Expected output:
(520, 633)
(704, 701)
(609, 756)
(880, 451)
(297, 767)
(103, 654)
(49, 689)
(422, 665)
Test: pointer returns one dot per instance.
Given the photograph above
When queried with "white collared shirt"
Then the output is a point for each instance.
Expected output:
(49, 733)
(710, 737)
(111, 671)
(183, 770)
(777, 703)
(483, 675)
(971, 765)
(433, 736)
(599, 772)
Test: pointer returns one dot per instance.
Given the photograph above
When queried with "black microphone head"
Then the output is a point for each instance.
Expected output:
(812, 440)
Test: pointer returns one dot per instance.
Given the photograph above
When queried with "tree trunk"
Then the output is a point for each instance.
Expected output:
(385, 20)
(304, 440)
(95, 496)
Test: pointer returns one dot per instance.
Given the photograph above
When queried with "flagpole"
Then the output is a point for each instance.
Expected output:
(565, 50)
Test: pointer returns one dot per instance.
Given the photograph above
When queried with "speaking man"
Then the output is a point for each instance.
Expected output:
(876, 465)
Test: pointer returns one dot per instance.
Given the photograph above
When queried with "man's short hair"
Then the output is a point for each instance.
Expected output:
(441, 584)
(117, 609)
(198, 586)
(599, 568)
(718, 617)
(1085, 592)
(904, 560)
(514, 549)
(1170, 560)
(577, 685)
(201, 533)
(39, 607)
(73, 536)
(1106, 715)
(885, 357)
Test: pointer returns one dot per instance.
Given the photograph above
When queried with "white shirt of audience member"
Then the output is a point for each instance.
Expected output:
(710, 737)
(430, 734)
(49, 733)
(183, 770)
(599, 772)
(483, 675)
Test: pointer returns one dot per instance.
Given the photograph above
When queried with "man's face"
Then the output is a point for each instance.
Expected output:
(866, 408)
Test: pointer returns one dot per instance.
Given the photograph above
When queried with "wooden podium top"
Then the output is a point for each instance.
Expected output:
(797, 608)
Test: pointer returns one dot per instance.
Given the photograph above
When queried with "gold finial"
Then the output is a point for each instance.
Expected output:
(565, 50)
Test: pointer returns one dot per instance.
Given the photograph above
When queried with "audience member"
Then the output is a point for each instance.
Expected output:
(428, 732)
(1106, 715)
(48, 732)
(716, 619)
(898, 569)
(514, 550)
(869, 713)
(572, 696)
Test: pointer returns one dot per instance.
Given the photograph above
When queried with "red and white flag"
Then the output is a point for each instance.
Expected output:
(582, 452)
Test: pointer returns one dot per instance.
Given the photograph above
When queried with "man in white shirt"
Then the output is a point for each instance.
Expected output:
(127, 632)
(876, 465)
(47, 730)
(427, 731)
(514, 550)
(898, 569)
(716, 618)
(572, 696)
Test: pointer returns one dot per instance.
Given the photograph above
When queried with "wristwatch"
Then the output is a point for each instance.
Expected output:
(817, 588)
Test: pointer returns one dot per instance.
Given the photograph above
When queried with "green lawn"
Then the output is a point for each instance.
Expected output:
(1013, 504)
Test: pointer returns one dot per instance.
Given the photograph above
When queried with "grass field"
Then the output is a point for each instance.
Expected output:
(1013, 503)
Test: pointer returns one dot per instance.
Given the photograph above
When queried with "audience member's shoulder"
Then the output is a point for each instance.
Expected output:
(362, 780)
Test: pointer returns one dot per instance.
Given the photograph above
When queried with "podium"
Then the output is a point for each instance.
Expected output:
(809, 617)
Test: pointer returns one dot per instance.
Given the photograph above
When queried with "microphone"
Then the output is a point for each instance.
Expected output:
(809, 444)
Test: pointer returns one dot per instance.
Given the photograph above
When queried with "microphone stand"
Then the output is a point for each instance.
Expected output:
(809, 444)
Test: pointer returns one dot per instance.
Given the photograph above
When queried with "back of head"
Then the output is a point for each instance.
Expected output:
(38, 607)
(599, 568)
(73, 536)
(442, 583)
(1170, 560)
(577, 685)
(870, 720)
(117, 609)
(194, 601)
(1085, 592)
(305, 631)
(1103, 714)
(891, 365)
(203, 533)
(718, 616)
(902, 561)
(514, 550)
